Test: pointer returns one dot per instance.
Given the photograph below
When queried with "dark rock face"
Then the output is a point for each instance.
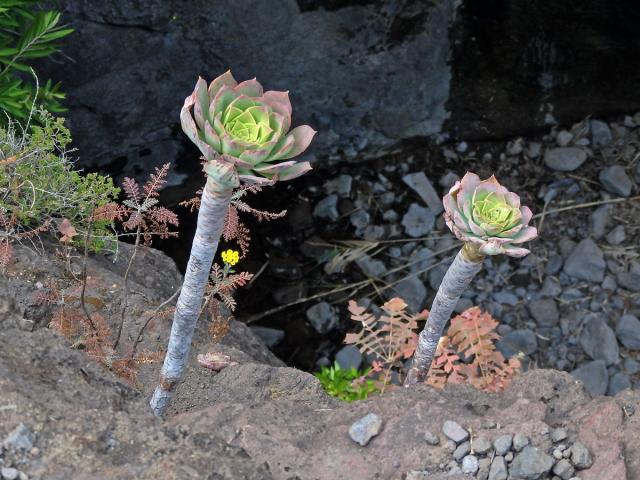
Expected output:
(368, 75)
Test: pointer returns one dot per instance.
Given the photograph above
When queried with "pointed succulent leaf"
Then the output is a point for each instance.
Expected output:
(486, 214)
(250, 88)
(201, 107)
(225, 79)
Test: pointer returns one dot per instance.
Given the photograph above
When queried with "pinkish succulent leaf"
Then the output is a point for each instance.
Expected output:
(486, 214)
(245, 127)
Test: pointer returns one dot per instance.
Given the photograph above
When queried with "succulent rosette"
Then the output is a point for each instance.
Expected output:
(242, 125)
(489, 216)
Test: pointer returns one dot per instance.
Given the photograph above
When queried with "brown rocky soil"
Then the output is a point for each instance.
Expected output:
(259, 419)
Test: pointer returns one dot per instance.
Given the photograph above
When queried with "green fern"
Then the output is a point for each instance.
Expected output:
(27, 34)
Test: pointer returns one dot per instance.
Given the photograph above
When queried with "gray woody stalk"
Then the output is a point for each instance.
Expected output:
(243, 133)
(490, 220)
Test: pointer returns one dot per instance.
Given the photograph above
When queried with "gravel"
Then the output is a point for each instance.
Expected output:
(616, 236)
(453, 431)
(481, 446)
(520, 441)
(564, 469)
(418, 221)
(614, 179)
(516, 341)
(364, 429)
(598, 340)
(545, 312)
(618, 382)
(431, 438)
(628, 331)
(565, 159)
(20, 437)
(600, 133)
(413, 292)
(531, 464)
(580, 456)
(586, 262)
(419, 183)
(370, 266)
(498, 469)
(323, 317)
(327, 208)
(462, 451)
(470, 464)
(349, 357)
(594, 376)
(600, 220)
(503, 444)
(558, 434)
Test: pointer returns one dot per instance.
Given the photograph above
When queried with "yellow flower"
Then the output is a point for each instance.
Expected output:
(231, 257)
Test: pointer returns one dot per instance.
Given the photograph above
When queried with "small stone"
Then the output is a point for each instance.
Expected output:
(431, 438)
(340, 185)
(628, 331)
(448, 180)
(20, 438)
(419, 182)
(412, 291)
(9, 473)
(508, 457)
(515, 147)
(594, 376)
(484, 464)
(554, 264)
(270, 336)
(565, 159)
(580, 456)
(462, 305)
(327, 208)
(534, 149)
(323, 317)
(421, 259)
(481, 446)
(550, 287)
(359, 219)
(564, 138)
(517, 341)
(506, 298)
(618, 382)
(598, 339)
(564, 469)
(630, 279)
(364, 429)
(349, 357)
(586, 262)
(498, 469)
(544, 311)
(418, 221)
(520, 441)
(631, 366)
(600, 133)
(450, 446)
(531, 464)
(557, 454)
(614, 179)
(617, 235)
(470, 464)
(558, 434)
(371, 267)
(462, 450)
(503, 444)
(600, 219)
(462, 147)
(454, 431)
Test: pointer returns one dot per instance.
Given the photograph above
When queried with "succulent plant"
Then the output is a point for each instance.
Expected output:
(240, 124)
(489, 216)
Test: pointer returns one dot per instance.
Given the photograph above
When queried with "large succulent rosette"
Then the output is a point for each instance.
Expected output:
(486, 214)
(240, 124)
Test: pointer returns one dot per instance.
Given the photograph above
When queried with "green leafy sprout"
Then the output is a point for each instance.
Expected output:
(347, 385)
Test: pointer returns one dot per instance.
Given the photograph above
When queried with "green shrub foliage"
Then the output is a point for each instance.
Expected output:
(27, 33)
(39, 184)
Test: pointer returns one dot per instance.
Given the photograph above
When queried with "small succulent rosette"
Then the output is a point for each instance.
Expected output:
(240, 124)
(489, 216)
